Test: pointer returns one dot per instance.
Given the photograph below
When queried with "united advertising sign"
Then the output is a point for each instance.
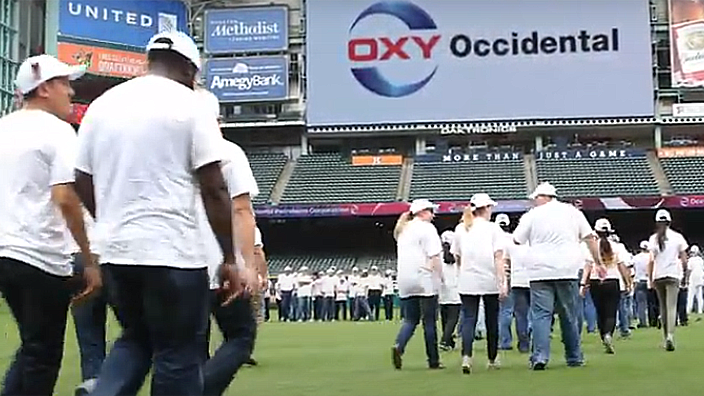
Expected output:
(248, 29)
(449, 60)
(123, 22)
(248, 79)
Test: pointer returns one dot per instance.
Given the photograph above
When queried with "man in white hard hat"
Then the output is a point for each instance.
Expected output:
(147, 148)
(554, 231)
(37, 153)
(285, 284)
(640, 267)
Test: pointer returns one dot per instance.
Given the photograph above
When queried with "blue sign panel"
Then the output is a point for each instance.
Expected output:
(251, 29)
(125, 22)
(248, 79)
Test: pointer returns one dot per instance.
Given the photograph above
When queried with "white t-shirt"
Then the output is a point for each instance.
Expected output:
(388, 286)
(417, 243)
(240, 180)
(317, 287)
(612, 271)
(328, 285)
(375, 282)
(449, 293)
(142, 141)
(37, 151)
(640, 264)
(696, 266)
(476, 248)
(341, 290)
(554, 231)
(667, 261)
(305, 285)
(520, 262)
(286, 282)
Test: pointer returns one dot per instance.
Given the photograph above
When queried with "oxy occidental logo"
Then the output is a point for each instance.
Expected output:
(380, 49)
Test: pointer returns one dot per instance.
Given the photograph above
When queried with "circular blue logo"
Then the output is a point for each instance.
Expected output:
(384, 48)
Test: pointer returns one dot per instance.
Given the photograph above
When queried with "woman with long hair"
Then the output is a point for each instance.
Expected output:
(419, 265)
(605, 284)
(479, 252)
(667, 267)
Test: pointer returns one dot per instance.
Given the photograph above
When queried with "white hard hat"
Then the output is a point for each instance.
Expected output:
(481, 200)
(603, 225)
(544, 188)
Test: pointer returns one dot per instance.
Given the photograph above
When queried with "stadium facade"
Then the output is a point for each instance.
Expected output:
(349, 109)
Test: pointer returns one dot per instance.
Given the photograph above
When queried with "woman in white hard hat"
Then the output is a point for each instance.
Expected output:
(696, 279)
(604, 285)
(450, 302)
(419, 265)
(640, 266)
(479, 251)
(667, 265)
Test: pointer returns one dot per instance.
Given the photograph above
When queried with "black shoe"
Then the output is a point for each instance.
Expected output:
(396, 358)
(539, 366)
(669, 346)
(436, 366)
(251, 362)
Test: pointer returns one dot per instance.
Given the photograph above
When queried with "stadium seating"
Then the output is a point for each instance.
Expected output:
(314, 263)
(599, 177)
(684, 174)
(445, 181)
(266, 168)
(330, 178)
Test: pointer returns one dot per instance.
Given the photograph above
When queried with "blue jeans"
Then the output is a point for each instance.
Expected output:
(625, 307)
(163, 313)
(586, 312)
(491, 314)
(521, 310)
(238, 326)
(90, 320)
(506, 308)
(286, 306)
(304, 308)
(642, 303)
(546, 297)
(416, 309)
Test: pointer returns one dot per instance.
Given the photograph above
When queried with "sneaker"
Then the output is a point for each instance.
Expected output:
(466, 365)
(609, 344)
(445, 347)
(669, 345)
(436, 366)
(396, 358)
(495, 365)
(86, 388)
(538, 366)
(251, 362)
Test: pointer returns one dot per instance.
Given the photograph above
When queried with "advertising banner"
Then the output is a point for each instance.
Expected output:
(670, 152)
(248, 29)
(586, 154)
(248, 79)
(688, 110)
(103, 61)
(123, 22)
(366, 160)
(687, 43)
(448, 60)
(470, 157)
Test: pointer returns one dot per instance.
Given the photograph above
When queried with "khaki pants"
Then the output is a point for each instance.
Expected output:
(257, 307)
(667, 290)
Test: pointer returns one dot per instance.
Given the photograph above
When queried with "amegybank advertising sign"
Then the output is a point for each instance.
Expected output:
(449, 60)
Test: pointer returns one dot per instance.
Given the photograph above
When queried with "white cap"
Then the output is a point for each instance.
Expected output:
(288, 268)
(355, 269)
(644, 245)
(338, 272)
(694, 249)
(180, 43)
(389, 272)
(375, 268)
(42, 68)
(663, 215)
(419, 205)
(503, 219)
(447, 236)
(481, 200)
(544, 188)
(304, 268)
(330, 271)
(603, 225)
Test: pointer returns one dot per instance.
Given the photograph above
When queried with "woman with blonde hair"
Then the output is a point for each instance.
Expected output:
(419, 265)
(667, 267)
(605, 285)
(479, 251)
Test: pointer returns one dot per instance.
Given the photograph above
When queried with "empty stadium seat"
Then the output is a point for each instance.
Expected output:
(266, 168)
(684, 174)
(314, 263)
(450, 181)
(599, 177)
(330, 178)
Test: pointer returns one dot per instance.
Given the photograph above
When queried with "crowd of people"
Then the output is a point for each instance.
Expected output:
(554, 263)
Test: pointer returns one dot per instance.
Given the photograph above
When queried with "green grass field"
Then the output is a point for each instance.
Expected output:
(331, 359)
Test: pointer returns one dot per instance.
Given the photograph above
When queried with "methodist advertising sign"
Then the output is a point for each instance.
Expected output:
(248, 79)
(448, 60)
(249, 29)
(123, 22)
